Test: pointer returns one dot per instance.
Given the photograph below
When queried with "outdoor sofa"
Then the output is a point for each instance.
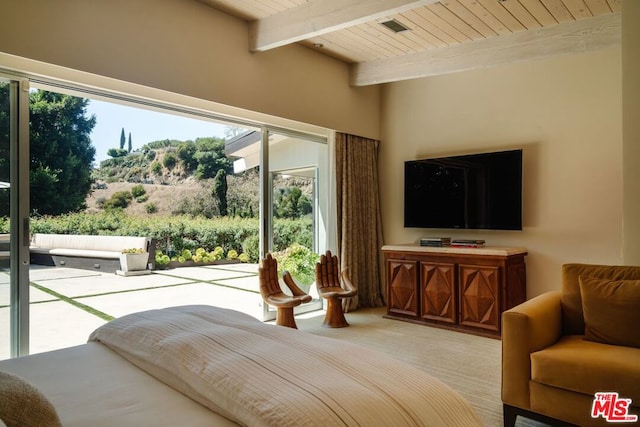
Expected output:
(84, 251)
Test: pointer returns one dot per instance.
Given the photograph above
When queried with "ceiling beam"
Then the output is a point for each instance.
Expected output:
(317, 17)
(574, 37)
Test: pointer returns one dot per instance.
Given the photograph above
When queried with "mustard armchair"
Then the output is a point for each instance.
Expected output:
(560, 348)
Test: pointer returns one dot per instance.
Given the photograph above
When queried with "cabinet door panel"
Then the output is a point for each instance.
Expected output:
(479, 298)
(402, 282)
(438, 296)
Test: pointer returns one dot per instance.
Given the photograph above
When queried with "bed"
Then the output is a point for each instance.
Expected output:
(201, 365)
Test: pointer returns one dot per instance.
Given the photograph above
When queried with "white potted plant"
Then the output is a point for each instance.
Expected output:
(133, 259)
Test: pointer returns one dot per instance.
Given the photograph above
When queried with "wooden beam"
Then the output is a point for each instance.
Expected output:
(317, 17)
(586, 35)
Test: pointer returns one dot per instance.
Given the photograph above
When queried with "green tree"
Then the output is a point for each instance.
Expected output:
(122, 139)
(211, 157)
(116, 152)
(304, 205)
(186, 153)
(220, 191)
(130, 143)
(61, 152)
(291, 203)
(170, 160)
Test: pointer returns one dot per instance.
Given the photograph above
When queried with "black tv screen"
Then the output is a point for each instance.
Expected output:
(476, 191)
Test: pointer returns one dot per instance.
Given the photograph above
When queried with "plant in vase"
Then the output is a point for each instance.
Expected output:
(133, 259)
(300, 262)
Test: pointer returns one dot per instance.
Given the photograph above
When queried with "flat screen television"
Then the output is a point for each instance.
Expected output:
(475, 191)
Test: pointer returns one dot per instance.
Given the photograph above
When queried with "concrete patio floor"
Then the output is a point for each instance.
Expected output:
(67, 304)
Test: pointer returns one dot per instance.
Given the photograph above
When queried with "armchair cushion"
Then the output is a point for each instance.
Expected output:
(573, 320)
(583, 366)
(610, 309)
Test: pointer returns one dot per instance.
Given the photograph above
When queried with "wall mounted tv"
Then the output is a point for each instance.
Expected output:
(476, 191)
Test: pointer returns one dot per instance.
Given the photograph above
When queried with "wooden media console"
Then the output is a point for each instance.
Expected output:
(465, 289)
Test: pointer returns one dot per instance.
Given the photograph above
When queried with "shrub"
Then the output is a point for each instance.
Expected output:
(299, 261)
(151, 208)
(162, 259)
(117, 152)
(289, 231)
(175, 232)
(251, 247)
(119, 199)
(170, 160)
(156, 168)
(138, 190)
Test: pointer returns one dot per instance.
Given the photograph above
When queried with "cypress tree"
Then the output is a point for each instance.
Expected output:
(122, 139)
(130, 143)
(220, 191)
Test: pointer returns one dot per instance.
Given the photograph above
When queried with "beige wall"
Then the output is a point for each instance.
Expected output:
(566, 113)
(631, 129)
(188, 48)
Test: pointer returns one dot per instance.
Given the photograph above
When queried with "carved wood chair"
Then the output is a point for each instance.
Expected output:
(273, 295)
(333, 286)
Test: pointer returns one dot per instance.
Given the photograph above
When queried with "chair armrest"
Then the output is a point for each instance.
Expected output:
(295, 289)
(347, 285)
(526, 328)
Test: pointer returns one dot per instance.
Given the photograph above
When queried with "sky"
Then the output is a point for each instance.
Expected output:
(144, 125)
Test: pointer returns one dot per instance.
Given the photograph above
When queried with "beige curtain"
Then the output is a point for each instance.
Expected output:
(359, 224)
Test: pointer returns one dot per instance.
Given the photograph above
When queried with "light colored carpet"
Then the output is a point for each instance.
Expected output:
(468, 363)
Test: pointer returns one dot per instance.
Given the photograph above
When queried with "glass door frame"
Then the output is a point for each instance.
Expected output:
(266, 204)
(19, 235)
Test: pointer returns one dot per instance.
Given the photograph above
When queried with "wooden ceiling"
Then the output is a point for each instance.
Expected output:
(442, 36)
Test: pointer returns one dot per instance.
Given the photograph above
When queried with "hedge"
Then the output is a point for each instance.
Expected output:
(178, 232)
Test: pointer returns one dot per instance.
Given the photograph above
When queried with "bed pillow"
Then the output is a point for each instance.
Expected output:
(23, 405)
(611, 310)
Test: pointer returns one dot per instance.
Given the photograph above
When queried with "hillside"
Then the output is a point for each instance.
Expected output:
(172, 188)
(164, 197)
(168, 171)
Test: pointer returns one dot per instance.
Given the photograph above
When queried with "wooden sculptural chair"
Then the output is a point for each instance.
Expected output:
(333, 286)
(273, 295)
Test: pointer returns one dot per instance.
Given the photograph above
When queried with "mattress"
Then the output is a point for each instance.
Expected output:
(202, 365)
(90, 385)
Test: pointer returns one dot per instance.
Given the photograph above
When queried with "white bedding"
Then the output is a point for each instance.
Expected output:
(259, 374)
(90, 385)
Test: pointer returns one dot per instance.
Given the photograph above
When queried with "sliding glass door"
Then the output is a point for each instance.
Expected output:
(14, 222)
(294, 202)
(297, 183)
(292, 198)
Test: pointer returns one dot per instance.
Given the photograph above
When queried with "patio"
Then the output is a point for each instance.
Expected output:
(67, 304)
